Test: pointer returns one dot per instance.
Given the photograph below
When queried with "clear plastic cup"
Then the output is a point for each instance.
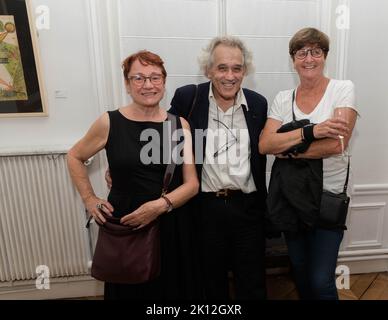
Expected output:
(340, 112)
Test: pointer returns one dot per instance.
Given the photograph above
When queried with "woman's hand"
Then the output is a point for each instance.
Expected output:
(145, 214)
(281, 156)
(108, 179)
(95, 205)
(331, 128)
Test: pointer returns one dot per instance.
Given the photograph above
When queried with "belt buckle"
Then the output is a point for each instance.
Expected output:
(222, 193)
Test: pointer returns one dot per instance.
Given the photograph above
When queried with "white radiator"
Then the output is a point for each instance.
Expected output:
(41, 219)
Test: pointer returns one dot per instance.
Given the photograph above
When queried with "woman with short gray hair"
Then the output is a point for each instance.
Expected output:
(308, 130)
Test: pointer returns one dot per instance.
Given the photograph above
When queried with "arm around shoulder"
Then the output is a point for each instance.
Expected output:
(182, 100)
(190, 178)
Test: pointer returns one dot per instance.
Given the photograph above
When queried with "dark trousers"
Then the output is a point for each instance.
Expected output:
(232, 239)
(142, 291)
(313, 257)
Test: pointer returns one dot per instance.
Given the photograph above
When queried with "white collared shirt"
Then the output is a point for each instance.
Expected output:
(231, 168)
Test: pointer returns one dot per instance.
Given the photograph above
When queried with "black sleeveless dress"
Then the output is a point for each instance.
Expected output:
(137, 177)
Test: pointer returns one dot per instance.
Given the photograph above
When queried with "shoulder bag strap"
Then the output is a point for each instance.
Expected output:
(292, 106)
(193, 102)
(347, 176)
(172, 144)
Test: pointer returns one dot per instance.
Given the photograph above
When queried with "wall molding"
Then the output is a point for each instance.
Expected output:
(93, 9)
(366, 244)
(369, 189)
(256, 72)
(222, 25)
(252, 36)
(375, 240)
(104, 52)
(35, 150)
(275, 72)
(372, 264)
(369, 205)
(364, 261)
(324, 15)
(166, 38)
(364, 253)
(60, 288)
(342, 48)
(114, 56)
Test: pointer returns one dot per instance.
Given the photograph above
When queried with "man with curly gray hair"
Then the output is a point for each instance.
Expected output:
(206, 60)
(226, 121)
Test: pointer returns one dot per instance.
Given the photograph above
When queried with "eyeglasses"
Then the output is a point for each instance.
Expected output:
(139, 79)
(228, 143)
(315, 52)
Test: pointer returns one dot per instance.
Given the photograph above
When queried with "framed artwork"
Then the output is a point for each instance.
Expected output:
(22, 91)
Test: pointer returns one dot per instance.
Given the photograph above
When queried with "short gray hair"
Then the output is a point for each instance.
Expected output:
(206, 58)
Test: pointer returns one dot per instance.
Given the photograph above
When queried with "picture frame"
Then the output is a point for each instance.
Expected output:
(22, 91)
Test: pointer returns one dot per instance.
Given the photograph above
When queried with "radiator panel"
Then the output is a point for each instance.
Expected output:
(41, 219)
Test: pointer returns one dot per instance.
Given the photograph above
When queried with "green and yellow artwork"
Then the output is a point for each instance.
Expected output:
(12, 82)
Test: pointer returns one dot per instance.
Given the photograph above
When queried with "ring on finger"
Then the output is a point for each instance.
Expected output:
(99, 206)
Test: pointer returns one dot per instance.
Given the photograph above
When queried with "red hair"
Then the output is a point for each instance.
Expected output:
(145, 58)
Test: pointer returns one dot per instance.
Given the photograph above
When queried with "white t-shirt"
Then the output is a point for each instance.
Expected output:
(338, 93)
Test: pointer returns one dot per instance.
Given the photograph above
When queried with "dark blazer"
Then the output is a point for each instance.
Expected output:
(255, 117)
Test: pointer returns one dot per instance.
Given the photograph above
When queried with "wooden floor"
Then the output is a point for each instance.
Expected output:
(370, 286)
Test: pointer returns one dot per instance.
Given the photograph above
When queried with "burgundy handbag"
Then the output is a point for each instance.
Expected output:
(125, 255)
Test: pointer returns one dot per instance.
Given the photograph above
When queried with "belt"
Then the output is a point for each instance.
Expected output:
(224, 193)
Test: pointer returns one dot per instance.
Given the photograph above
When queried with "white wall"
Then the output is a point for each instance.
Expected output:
(368, 68)
(65, 58)
(265, 26)
(366, 242)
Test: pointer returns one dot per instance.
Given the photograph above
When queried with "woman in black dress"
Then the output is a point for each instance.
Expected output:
(137, 179)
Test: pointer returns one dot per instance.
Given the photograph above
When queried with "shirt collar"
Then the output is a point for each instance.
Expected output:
(240, 99)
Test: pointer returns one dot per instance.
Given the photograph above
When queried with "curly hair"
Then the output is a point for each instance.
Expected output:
(206, 59)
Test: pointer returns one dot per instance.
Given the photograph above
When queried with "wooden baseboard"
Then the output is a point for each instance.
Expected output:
(60, 288)
(365, 266)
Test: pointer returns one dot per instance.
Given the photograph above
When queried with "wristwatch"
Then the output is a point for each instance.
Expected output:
(169, 203)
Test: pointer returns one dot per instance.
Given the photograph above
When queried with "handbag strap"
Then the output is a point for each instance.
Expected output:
(348, 169)
(193, 102)
(172, 144)
(292, 106)
(347, 176)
